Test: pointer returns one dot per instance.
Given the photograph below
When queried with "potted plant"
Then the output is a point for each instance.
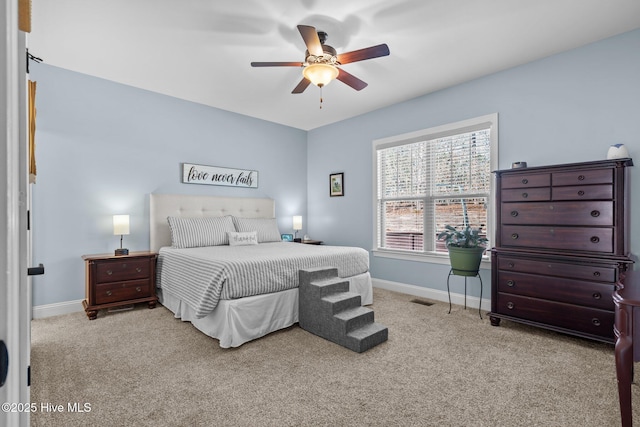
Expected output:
(466, 247)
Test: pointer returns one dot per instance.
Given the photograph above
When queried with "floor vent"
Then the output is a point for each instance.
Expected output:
(422, 302)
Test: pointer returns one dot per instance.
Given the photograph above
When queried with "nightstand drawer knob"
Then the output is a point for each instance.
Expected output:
(138, 269)
(596, 273)
(595, 321)
(510, 305)
(514, 236)
(597, 295)
(525, 181)
(511, 283)
(108, 293)
(138, 289)
(514, 213)
(595, 239)
(595, 213)
(109, 272)
(580, 193)
(525, 195)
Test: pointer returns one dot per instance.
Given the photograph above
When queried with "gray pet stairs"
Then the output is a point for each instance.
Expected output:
(327, 309)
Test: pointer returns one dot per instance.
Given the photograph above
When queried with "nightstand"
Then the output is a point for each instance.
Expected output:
(312, 242)
(114, 281)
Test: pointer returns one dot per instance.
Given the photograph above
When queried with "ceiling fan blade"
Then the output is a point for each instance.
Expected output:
(311, 39)
(350, 80)
(304, 83)
(362, 54)
(276, 64)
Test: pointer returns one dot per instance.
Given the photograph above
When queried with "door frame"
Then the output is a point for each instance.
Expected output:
(14, 321)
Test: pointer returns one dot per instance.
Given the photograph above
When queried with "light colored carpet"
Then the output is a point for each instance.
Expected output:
(145, 368)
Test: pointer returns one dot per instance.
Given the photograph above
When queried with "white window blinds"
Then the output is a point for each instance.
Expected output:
(424, 185)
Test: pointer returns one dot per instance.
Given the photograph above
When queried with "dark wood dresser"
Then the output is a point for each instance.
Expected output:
(561, 246)
(114, 281)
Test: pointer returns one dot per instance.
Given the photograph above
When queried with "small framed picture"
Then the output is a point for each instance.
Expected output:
(287, 237)
(336, 184)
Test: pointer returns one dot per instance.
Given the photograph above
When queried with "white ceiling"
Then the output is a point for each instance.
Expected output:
(200, 50)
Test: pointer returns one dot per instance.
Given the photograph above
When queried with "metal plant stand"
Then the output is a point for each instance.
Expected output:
(465, 291)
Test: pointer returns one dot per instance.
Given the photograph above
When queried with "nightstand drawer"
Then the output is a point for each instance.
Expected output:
(118, 270)
(113, 292)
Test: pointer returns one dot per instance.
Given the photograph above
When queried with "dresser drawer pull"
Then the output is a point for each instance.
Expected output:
(511, 265)
(514, 213)
(597, 295)
(595, 321)
(510, 305)
(514, 236)
(596, 273)
(108, 293)
(580, 193)
(138, 289)
(594, 239)
(525, 181)
(525, 195)
(580, 177)
(109, 272)
(138, 269)
(595, 213)
(511, 283)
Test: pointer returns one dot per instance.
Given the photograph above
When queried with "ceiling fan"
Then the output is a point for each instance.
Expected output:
(321, 61)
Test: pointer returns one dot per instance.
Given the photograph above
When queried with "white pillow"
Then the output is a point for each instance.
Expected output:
(266, 228)
(246, 238)
(197, 232)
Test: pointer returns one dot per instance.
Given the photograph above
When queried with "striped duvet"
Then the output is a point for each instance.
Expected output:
(201, 277)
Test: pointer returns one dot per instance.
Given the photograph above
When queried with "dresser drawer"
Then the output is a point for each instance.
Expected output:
(526, 194)
(592, 321)
(583, 177)
(121, 291)
(564, 238)
(589, 294)
(583, 192)
(118, 270)
(526, 180)
(566, 213)
(560, 269)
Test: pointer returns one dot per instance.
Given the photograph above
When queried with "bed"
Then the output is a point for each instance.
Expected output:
(240, 291)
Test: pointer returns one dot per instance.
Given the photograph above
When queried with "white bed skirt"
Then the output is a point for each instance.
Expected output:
(235, 322)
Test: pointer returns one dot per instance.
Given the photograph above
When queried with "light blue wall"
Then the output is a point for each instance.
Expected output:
(562, 109)
(103, 147)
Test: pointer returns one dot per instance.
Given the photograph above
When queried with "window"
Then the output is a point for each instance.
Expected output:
(430, 178)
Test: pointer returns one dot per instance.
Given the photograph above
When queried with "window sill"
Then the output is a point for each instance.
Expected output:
(431, 258)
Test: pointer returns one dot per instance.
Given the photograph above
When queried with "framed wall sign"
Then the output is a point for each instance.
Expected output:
(213, 175)
(336, 184)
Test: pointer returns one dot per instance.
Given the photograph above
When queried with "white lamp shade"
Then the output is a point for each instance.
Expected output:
(120, 224)
(297, 222)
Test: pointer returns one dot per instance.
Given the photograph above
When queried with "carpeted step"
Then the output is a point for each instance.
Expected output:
(341, 301)
(366, 337)
(331, 286)
(353, 318)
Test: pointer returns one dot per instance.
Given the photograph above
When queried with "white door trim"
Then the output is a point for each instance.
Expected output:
(13, 253)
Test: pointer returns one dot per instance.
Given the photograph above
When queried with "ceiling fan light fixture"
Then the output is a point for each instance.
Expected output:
(320, 74)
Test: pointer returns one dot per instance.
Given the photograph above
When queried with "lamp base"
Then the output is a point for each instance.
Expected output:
(297, 240)
(122, 251)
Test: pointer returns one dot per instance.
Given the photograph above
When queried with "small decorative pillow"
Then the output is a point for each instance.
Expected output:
(266, 228)
(198, 232)
(237, 238)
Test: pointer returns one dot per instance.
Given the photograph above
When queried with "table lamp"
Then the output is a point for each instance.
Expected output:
(121, 227)
(297, 225)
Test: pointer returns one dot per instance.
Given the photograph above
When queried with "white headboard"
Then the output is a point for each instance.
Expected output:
(163, 205)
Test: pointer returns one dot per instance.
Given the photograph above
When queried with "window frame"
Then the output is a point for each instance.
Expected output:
(489, 121)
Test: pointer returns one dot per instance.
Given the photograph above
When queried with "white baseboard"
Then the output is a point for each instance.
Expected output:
(48, 310)
(435, 294)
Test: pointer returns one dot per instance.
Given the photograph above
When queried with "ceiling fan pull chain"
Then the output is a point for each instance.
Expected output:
(321, 97)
